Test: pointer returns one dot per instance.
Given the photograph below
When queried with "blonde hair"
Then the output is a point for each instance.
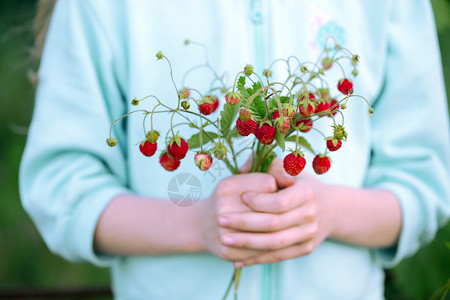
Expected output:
(41, 23)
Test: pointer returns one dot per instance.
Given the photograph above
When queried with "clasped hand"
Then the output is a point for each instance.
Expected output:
(264, 218)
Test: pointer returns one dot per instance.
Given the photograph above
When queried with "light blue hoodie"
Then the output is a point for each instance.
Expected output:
(100, 54)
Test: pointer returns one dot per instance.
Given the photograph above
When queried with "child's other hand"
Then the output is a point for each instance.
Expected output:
(285, 224)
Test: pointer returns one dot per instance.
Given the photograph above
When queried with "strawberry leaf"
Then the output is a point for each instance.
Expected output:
(273, 104)
(302, 142)
(227, 116)
(194, 141)
(280, 140)
(257, 106)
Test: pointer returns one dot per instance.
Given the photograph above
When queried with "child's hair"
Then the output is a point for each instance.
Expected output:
(41, 23)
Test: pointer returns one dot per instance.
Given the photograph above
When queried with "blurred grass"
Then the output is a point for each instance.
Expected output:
(26, 263)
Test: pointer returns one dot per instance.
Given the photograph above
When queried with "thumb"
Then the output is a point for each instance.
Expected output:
(247, 166)
(277, 171)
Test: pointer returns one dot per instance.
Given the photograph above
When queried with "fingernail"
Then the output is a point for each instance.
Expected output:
(238, 264)
(224, 221)
(245, 198)
(228, 240)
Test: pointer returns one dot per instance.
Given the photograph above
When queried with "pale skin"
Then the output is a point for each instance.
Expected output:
(273, 217)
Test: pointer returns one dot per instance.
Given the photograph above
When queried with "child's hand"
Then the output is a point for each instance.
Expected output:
(227, 199)
(285, 224)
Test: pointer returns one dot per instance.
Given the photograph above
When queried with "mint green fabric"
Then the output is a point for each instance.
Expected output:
(101, 54)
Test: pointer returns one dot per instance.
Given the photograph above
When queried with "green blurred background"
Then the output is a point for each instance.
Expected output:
(26, 263)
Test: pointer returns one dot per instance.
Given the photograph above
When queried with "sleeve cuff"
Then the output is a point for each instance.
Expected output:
(412, 224)
(84, 222)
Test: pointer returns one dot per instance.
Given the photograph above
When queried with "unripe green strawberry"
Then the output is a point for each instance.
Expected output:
(111, 141)
(148, 148)
(267, 73)
(327, 63)
(168, 162)
(339, 132)
(152, 136)
(304, 125)
(178, 147)
(333, 144)
(321, 164)
(244, 128)
(345, 86)
(185, 105)
(220, 151)
(248, 70)
(185, 93)
(208, 105)
(265, 133)
(232, 98)
(203, 160)
(294, 163)
(244, 114)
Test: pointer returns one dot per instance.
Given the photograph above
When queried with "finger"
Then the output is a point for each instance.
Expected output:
(239, 184)
(276, 170)
(281, 201)
(279, 255)
(233, 254)
(267, 222)
(271, 241)
(247, 166)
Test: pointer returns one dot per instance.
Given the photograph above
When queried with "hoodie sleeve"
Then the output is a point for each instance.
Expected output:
(410, 141)
(68, 174)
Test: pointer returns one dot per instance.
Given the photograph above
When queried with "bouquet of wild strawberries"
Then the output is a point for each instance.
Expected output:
(275, 112)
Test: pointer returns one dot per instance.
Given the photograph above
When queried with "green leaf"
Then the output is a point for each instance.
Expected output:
(194, 141)
(227, 116)
(241, 88)
(302, 142)
(280, 140)
(257, 107)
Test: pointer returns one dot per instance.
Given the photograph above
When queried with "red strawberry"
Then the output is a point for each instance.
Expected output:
(178, 147)
(334, 144)
(334, 106)
(321, 164)
(147, 148)
(307, 106)
(304, 125)
(232, 98)
(283, 124)
(322, 106)
(208, 105)
(345, 85)
(203, 160)
(245, 127)
(275, 115)
(288, 111)
(294, 163)
(265, 133)
(168, 162)
(306, 109)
